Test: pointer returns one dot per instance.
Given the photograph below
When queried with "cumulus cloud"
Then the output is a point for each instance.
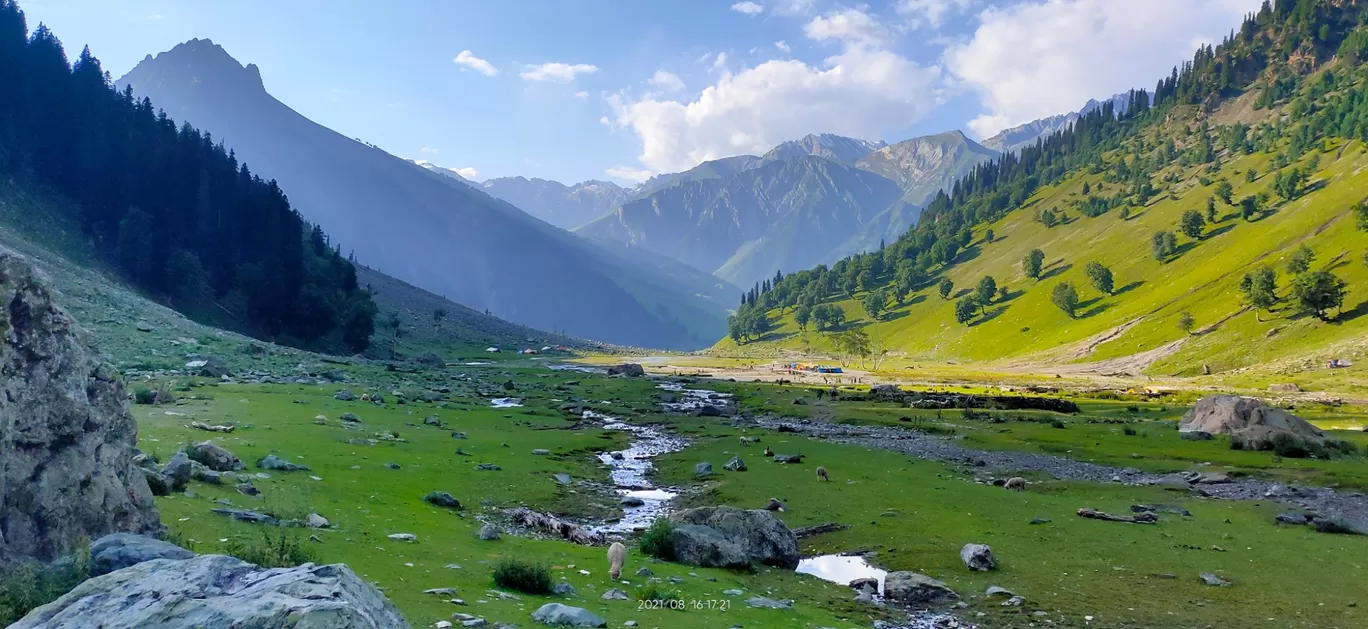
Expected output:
(861, 92)
(557, 72)
(720, 61)
(929, 13)
(849, 26)
(1045, 57)
(467, 172)
(467, 59)
(783, 46)
(748, 7)
(667, 81)
(628, 173)
(794, 7)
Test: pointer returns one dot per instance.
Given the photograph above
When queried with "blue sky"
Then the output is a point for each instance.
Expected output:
(599, 89)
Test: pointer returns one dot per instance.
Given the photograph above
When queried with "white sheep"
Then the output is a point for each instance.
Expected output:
(617, 554)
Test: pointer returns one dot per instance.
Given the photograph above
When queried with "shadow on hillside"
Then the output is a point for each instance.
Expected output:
(1101, 308)
(1311, 187)
(893, 316)
(1128, 287)
(1055, 269)
(1350, 315)
(916, 299)
(988, 316)
(969, 254)
(1218, 231)
(1181, 250)
(1087, 303)
(960, 293)
(1009, 295)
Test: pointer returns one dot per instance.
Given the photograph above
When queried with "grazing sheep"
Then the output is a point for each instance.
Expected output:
(774, 505)
(822, 473)
(768, 451)
(745, 441)
(1016, 483)
(365, 397)
(617, 554)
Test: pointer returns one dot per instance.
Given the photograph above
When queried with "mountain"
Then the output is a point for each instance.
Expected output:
(1216, 227)
(564, 206)
(780, 214)
(429, 229)
(715, 169)
(1014, 139)
(922, 166)
(834, 147)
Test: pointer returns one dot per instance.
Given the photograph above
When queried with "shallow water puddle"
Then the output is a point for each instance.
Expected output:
(505, 402)
(841, 569)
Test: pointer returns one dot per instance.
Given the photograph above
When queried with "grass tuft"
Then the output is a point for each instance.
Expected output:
(524, 576)
(655, 542)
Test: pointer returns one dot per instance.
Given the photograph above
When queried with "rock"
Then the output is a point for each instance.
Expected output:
(143, 326)
(703, 469)
(994, 590)
(315, 521)
(615, 595)
(541, 452)
(440, 591)
(788, 458)
(1040, 520)
(978, 557)
(732, 592)
(1015, 601)
(644, 572)
(768, 603)
(432, 420)
(632, 501)
(205, 475)
(1211, 579)
(556, 527)
(1284, 387)
(558, 614)
(1339, 526)
(912, 588)
(488, 533)
(459, 435)
(563, 589)
(1212, 478)
(1174, 482)
(731, 537)
(350, 418)
(430, 359)
(1292, 518)
(207, 367)
(867, 584)
(178, 469)
(273, 462)
(158, 484)
(214, 457)
(735, 465)
(403, 537)
(219, 592)
(247, 489)
(117, 551)
(243, 515)
(1196, 435)
(1161, 508)
(630, 370)
(562, 479)
(488, 467)
(1247, 419)
(442, 499)
(344, 395)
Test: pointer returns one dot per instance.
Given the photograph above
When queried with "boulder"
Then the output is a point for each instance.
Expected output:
(1247, 419)
(207, 366)
(218, 592)
(735, 465)
(157, 483)
(117, 551)
(1196, 435)
(315, 521)
(488, 533)
(178, 469)
(344, 395)
(710, 410)
(757, 534)
(214, 457)
(557, 614)
(442, 499)
(978, 557)
(615, 595)
(630, 370)
(762, 602)
(914, 589)
(273, 462)
(430, 359)
(66, 437)
(563, 589)
(703, 469)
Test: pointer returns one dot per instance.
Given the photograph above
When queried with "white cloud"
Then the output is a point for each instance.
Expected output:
(1046, 57)
(668, 81)
(429, 151)
(783, 46)
(557, 72)
(467, 172)
(747, 7)
(469, 60)
(628, 173)
(930, 13)
(852, 27)
(861, 92)
(720, 61)
(794, 7)
(581, 95)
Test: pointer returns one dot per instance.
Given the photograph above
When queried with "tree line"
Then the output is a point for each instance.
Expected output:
(175, 212)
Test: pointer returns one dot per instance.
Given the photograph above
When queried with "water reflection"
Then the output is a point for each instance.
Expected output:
(841, 569)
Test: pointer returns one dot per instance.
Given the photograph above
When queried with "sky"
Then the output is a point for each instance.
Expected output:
(620, 90)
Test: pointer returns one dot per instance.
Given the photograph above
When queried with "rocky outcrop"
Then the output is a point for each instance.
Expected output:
(556, 614)
(117, 551)
(912, 588)
(218, 592)
(731, 537)
(1247, 419)
(66, 438)
(630, 370)
(214, 457)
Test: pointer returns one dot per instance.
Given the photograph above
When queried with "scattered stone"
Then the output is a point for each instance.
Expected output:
(868, 585)
(403, 537)
(442, 499)
(1292, 518)
(818, 529)
(732, 592)
(1337, 525)
(644, 572)
(1213, 580)
(615, 595)
(735, 465)
(488, 467)
(1161, 508)
(205, 475)
(350, 418)
(1015, 601)
(558, 614)
(556, 527)
(978, 557)
(703, 469)
(1040, 520)
(710, 410)
(541, 452)
(441, 591)
(243, 515)
(912, 588)
(316, 521)
(768, 603)
(732, 538)
(563, 589)
(459, 435)
(630, 370)
(344, 395)
(1284, 387)
(214, 457)
(247, 489)
(632, 501)
(1143, 518)
(994, 590)
(117, 551)
(273, 462)
(158, 484)
(562, 479)
(488, 533)
(788, 458)
(178, 470)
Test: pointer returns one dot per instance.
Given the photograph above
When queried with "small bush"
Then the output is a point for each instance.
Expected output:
(1055, 423)
(1290, 446)
(144, 395)
(655, 542)
(1128, 431)
(523, 576)
(1132, 408)
(273, 551)
(28, 585)
(655, 595)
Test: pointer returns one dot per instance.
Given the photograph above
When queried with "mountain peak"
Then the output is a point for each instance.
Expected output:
(827, 145)
(198, 60)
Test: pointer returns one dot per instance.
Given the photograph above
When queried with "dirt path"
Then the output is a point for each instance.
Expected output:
(1351, 506)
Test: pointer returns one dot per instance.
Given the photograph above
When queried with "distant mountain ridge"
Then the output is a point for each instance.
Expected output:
(1018, 137)
(830, 146)
(564, 206)
(432, 230)
(922, 166)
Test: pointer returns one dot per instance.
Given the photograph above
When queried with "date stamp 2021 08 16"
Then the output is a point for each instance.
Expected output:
(708, 604)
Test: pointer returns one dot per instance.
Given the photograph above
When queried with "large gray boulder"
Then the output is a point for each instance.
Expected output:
(214, 457)
(913, 588)
(178, 469)
(756, 534)
(1247, 419)
(66, 438)
(117, 551)
(556, 614)
(631, 370)
(219, 592)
